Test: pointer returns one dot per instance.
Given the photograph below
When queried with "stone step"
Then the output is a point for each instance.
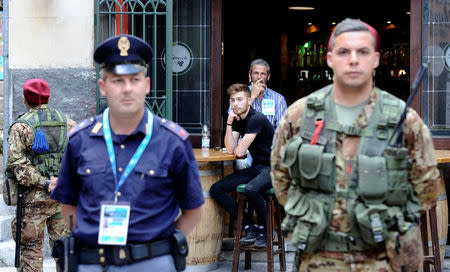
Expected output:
(8, 250)
(5, 227)
(49, 266)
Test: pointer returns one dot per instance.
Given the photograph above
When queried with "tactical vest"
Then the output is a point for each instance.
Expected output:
(54, 125)
(380, 197)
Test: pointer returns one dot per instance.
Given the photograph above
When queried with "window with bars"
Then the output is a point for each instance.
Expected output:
(189, 31)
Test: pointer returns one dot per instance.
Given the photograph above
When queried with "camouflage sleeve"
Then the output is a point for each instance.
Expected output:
(281, 179)
(424, 174)
(20, 142)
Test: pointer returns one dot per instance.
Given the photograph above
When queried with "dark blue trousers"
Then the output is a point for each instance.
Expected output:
(258, 181)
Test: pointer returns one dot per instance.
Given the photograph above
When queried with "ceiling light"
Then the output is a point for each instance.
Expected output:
(301, 8)
(333, 23)
(389, 22)
(408, 12)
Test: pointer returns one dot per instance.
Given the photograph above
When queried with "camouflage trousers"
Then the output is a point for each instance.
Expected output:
(35, 217)
(319, 263)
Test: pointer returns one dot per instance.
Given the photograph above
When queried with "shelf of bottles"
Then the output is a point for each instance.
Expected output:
(309, 65)
(309, 70)
(392, 73)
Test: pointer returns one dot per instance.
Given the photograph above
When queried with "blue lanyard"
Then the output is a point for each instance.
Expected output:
(137, 155)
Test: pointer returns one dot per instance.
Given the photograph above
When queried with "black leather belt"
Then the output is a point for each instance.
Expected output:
(120, 255)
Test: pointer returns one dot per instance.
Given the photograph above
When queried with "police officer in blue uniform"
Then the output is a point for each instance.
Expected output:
(129, 178)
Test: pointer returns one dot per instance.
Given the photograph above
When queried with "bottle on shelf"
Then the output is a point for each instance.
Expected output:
(205, 139)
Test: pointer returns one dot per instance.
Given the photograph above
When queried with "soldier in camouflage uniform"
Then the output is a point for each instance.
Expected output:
(36, 172)
(336, 176)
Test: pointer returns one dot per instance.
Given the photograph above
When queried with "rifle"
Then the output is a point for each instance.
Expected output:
(398, 130)
(18, 224)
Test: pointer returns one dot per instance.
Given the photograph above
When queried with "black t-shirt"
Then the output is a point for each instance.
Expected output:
(260, 148)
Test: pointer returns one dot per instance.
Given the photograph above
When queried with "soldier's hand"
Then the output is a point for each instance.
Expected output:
(52, 185)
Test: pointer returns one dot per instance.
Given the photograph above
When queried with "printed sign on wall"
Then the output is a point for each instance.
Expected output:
(182, 58)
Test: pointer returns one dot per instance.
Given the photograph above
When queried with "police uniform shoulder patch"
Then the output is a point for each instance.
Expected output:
(80, 126)
(175, 128)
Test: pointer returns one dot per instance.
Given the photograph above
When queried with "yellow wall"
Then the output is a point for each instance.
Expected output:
(51, 33)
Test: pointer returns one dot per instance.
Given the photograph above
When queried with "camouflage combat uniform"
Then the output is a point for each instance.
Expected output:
(39, 210)
(424, 177)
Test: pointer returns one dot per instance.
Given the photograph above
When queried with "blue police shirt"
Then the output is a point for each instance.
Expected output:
(164, 180)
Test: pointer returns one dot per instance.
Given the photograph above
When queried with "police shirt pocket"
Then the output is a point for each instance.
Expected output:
(147, 171)
(91, 170)
(90, 174)
(152, 172)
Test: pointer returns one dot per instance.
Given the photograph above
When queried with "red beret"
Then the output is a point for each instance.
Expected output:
(36, 91)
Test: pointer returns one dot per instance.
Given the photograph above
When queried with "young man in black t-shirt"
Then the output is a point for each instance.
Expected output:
(257, 134)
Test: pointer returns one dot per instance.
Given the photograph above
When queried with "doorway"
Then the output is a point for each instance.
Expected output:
(294, 42)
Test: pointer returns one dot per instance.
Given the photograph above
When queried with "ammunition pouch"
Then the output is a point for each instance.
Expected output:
(306, 219)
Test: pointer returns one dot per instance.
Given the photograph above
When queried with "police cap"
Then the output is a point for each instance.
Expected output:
(123, 54)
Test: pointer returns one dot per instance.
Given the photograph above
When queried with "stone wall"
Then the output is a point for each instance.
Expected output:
(72, 91)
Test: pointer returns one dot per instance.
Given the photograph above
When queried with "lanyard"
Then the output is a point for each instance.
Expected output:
(137, 155)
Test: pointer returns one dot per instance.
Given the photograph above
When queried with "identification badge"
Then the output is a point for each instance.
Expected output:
(113, 228)
(268, 107)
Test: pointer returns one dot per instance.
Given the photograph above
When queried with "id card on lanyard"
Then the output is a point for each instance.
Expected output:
(114, 216)
(268, 106)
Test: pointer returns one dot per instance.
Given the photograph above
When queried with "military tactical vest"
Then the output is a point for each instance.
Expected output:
(380, 197)
(54, 125)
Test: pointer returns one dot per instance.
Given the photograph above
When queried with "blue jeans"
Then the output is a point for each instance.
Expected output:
(258, 181)
(162, 264)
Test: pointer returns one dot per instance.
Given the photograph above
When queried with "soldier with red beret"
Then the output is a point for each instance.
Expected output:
(352, 196)
(37, 140)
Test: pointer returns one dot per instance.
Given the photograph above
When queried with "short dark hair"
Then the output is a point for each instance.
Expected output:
(238, 87)
(350, 25)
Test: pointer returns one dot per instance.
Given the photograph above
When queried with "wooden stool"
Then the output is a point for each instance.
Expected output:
(272, 213)
(435, 258)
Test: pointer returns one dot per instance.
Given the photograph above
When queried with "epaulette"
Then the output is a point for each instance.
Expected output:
(175, 128)
(83, 124)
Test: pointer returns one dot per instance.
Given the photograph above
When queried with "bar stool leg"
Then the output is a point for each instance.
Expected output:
(282, 255)
(237, 234)
(269, 233)
(435, 240)
(424, 234)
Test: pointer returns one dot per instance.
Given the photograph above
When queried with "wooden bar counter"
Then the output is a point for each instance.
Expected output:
(205, 241)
